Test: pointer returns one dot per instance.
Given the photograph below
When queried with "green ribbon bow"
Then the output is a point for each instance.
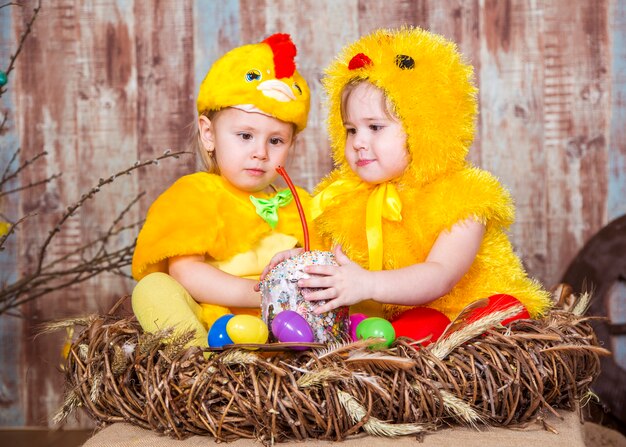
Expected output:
(268, 208)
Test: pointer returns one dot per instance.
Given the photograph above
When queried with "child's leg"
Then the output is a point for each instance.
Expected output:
(159, 302)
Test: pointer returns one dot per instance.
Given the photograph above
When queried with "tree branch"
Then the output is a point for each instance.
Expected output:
(94, 257)
(29, 26)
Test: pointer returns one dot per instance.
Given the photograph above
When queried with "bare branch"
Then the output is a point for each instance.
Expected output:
(94, 256)
(33, 286)
(25, 33)
(124, 212)
(4, 121)
(30, 185)
(93, 191)
(11, 4)
(4, 179)
(7, 176)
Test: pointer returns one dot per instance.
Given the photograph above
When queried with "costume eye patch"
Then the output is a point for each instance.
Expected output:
(405, 62)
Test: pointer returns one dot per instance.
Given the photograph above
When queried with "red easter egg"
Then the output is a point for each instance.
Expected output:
(496, 303)
(419, 323)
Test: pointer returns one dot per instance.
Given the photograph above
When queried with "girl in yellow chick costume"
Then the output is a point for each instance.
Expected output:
(420, 226)
(206, 238)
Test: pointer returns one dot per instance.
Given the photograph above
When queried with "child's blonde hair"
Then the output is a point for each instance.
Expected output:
(386, 103)
(195, 145)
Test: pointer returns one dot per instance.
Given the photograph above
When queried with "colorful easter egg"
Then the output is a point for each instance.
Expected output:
(289, 326)
(419, 323)
(247, 329)
(496, 303)
(218, 336)
(353, 323)
(376, 327)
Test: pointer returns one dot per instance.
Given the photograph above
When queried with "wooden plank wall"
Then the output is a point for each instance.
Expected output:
(102, 83)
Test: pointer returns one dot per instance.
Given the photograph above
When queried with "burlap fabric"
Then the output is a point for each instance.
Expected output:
(569, 434)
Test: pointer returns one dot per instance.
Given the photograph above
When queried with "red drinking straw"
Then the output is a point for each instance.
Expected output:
(305, 228)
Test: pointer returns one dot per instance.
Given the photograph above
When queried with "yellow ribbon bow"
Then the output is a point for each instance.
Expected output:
(383, 202)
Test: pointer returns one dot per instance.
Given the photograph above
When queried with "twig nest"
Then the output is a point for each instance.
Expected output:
(280, 291)
(474, 376)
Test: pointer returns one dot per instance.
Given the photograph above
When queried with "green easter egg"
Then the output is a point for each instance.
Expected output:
(376, 327)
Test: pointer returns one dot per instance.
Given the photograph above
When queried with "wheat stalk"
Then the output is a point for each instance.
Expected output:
(458, 407)
(70, 403)
(237, 356)
(118, 365)
(317, 378)
(373, 382)
(150, 340)
(582, 304)
(375, 426)
(455, 406)
(83, 351)
(178, 343)
(383, 361)
(336, 348)
(444, 346)
(94, 394)
(53, 326)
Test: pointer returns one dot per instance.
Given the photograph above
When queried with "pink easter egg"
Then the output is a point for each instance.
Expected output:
(355, 319)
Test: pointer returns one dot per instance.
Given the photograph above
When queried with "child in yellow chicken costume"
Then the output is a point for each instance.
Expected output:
(416, 223)
(207, 238)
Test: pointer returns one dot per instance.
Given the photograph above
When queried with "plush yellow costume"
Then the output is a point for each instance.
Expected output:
(395, 224)
(203, 214)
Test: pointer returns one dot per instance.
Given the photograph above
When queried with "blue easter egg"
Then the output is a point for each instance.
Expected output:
(218, 337)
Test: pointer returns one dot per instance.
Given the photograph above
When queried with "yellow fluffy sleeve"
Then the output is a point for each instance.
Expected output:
(468, 193)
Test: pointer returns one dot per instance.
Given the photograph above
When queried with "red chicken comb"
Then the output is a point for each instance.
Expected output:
(284, 53)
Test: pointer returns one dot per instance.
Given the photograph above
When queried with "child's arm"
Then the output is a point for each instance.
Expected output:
(207, 284)
(448, 260)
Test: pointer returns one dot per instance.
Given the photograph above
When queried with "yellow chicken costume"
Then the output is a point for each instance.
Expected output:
(395, 224)
(203, 214)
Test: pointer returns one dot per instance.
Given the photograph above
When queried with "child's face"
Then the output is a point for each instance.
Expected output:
(375, 141)
(249, 147)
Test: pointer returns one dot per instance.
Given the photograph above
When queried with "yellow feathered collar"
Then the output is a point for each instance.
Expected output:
(412, 214)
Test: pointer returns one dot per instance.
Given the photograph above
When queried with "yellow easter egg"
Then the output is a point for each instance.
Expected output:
(247, 329)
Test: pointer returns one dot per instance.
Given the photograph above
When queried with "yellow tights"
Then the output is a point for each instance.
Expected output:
(159, 302)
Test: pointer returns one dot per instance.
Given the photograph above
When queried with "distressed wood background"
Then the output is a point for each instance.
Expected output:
(103, 83)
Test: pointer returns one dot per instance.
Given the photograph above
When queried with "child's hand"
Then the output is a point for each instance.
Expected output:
(341, 285)
(277, 259)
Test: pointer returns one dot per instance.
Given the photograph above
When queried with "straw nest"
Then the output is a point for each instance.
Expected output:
(475, 374)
